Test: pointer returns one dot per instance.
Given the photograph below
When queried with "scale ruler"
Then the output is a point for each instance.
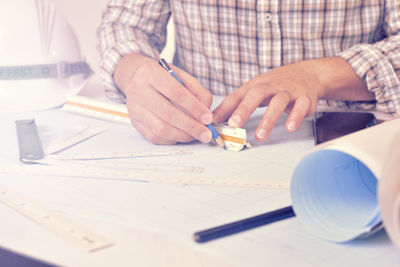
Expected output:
(53, 222)
(120, 155)
(135, 166)
(97, 109)
(109, 174)
(71, 137)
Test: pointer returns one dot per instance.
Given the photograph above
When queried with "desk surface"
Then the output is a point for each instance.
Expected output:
(151, 224)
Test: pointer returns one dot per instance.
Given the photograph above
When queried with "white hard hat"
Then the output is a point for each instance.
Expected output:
(40, 60)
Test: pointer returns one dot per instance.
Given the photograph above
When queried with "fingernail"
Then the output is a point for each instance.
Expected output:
(291, 126)
(234, 121)
(215, 118)
(261, 133)
(206, 118)
(205, 137)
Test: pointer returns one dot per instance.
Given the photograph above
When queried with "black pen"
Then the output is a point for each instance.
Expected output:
(242, 225)
(215, 134)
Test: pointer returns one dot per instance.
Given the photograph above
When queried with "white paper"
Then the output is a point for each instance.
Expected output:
(389, 193)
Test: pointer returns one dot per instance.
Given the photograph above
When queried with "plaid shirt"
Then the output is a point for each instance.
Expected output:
(226, 43)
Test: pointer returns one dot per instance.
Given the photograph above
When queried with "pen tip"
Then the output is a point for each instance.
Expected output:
(196, 237)
(220, 142)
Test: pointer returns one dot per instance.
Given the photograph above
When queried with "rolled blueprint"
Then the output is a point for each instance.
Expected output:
(334, 188)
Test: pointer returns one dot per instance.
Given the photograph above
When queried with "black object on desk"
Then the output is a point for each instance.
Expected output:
(10, 258)
(242, 225)
(337, 124)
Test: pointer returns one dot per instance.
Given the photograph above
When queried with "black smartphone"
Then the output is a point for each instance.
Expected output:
(336, 124)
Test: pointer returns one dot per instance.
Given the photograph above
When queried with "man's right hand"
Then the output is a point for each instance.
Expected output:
(152, 99)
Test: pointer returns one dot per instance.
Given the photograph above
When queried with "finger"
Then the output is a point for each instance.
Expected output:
(246, 107)
(224, 110)
(166, 113)
(194, 86)
(181, 96)
(275, 109)
(299, 111)
(153, 128)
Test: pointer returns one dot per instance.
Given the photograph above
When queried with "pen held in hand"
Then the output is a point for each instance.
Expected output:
(242, 225)
(215, 134)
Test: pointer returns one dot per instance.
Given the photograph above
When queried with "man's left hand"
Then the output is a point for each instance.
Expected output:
(294, 89)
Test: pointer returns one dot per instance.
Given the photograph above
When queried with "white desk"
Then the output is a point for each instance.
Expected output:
(151, 224)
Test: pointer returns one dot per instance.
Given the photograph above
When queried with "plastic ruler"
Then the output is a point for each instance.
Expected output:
(119, 155)
(97, 109)
(53, 222)
(114, 174)
(129, 165)
(71, 137)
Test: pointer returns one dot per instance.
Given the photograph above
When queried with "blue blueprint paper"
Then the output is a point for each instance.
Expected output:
(334, 196)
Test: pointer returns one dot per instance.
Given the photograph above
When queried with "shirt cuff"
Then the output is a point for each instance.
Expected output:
(373, 66)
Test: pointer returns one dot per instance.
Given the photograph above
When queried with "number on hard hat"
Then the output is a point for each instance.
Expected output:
(40, 60)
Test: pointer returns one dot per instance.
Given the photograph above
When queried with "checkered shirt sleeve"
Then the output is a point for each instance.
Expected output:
(129, 26)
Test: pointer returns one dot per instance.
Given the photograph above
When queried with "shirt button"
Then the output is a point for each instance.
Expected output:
(267, 16)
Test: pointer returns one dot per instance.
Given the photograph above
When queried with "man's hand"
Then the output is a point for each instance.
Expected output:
(294, 89)
(153, 97)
